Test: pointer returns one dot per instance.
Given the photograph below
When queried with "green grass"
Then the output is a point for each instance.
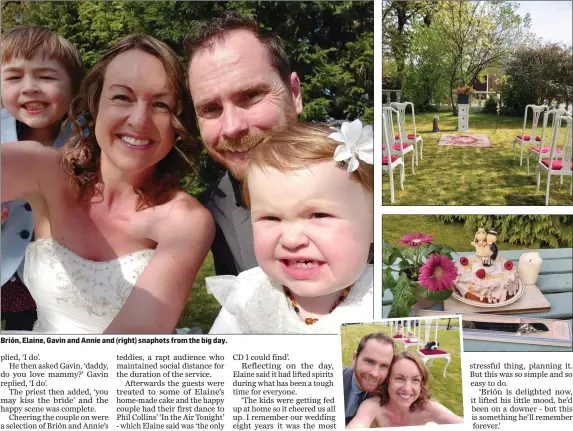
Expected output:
(447, 391)
(452, 234)
(202, 308)
(472, 176)
(444, 322)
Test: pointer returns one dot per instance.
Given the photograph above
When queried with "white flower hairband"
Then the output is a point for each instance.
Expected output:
(357, 143)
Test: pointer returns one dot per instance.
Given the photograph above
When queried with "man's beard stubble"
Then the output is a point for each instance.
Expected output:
(250, 141)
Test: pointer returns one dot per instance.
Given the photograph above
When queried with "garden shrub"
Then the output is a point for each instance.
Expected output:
(490, 106)
(542, 231)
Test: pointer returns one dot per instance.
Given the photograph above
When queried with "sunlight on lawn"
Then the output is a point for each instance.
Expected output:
(473, 176)
(202, 308)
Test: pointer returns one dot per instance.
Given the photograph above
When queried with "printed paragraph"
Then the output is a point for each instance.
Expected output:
(509, 392)
(179, 382)
(164, 391)
(46, 394)
(273, 394)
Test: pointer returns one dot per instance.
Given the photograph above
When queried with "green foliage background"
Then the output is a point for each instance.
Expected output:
(554, 231)
(537, 75)
(330, 44)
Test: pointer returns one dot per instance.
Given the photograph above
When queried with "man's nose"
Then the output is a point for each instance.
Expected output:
(293, 236)
(235, 124)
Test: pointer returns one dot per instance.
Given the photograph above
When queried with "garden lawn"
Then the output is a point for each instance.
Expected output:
(447, 391)
(202, 308)
(452, 234)
(473, 176)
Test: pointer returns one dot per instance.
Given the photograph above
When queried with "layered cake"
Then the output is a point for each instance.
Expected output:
(492, 284)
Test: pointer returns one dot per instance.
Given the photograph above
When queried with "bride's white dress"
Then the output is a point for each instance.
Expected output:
(75, 295)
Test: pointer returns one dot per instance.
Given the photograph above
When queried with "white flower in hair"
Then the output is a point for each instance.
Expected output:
(357, 143)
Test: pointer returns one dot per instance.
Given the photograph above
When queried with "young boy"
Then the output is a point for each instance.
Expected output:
(41, 72)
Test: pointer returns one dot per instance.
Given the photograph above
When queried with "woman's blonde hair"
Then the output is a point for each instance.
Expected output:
(424, 387)
(299, 146)
(82, 152)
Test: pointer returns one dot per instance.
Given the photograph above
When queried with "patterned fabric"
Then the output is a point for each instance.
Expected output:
(76, 295)
(254, 304)
(15, 296)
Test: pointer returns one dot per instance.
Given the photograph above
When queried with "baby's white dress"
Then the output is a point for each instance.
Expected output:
(254, 304)
(75, 295)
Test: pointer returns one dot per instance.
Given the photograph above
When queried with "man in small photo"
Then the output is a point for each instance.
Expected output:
(370, 366)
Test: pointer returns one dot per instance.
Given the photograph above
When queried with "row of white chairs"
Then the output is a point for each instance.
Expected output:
(549, 158)
(395, 146)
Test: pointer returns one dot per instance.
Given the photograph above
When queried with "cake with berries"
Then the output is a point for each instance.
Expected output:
(493, 284)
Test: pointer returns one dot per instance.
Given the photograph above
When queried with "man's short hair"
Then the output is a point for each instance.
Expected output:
(378, 336)
(27, 40)
(205, 33)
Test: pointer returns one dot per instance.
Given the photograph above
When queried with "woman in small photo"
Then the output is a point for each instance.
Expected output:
(403, 399)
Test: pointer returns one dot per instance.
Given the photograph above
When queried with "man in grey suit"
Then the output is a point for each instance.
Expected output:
(370, 366)
(241, 85)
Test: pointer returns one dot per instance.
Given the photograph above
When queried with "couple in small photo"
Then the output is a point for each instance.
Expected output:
(98, 236)
(384, 388)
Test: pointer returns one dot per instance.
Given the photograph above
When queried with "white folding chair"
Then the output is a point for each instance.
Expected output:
(531, 137)
(408, 138)
(541, 151)
(390, 161)
(399, 148)
(429, 355)
(408, 340)
(558, 163)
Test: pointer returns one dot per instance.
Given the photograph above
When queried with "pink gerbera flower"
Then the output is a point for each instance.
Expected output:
(438, 273)
(416, 239)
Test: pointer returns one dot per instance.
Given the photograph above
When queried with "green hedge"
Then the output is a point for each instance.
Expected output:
(541, 231)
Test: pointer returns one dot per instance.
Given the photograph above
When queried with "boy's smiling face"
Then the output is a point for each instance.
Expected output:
(312, 227)
(37, 92)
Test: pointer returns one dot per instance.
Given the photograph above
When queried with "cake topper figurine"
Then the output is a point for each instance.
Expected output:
(491, 239)
(483, 250)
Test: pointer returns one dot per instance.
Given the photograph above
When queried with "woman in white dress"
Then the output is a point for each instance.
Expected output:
(403, 399)
(118, 242)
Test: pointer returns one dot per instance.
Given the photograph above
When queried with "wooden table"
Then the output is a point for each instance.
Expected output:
(555, 282)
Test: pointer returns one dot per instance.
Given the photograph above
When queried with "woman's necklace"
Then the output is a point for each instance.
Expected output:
(311, 320)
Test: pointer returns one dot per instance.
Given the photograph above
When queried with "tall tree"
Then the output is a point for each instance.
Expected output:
(398, 18)
(538, 74)
(477, 35)
(330, 44)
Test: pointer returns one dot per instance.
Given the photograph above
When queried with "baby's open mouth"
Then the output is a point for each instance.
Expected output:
(301, 263)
